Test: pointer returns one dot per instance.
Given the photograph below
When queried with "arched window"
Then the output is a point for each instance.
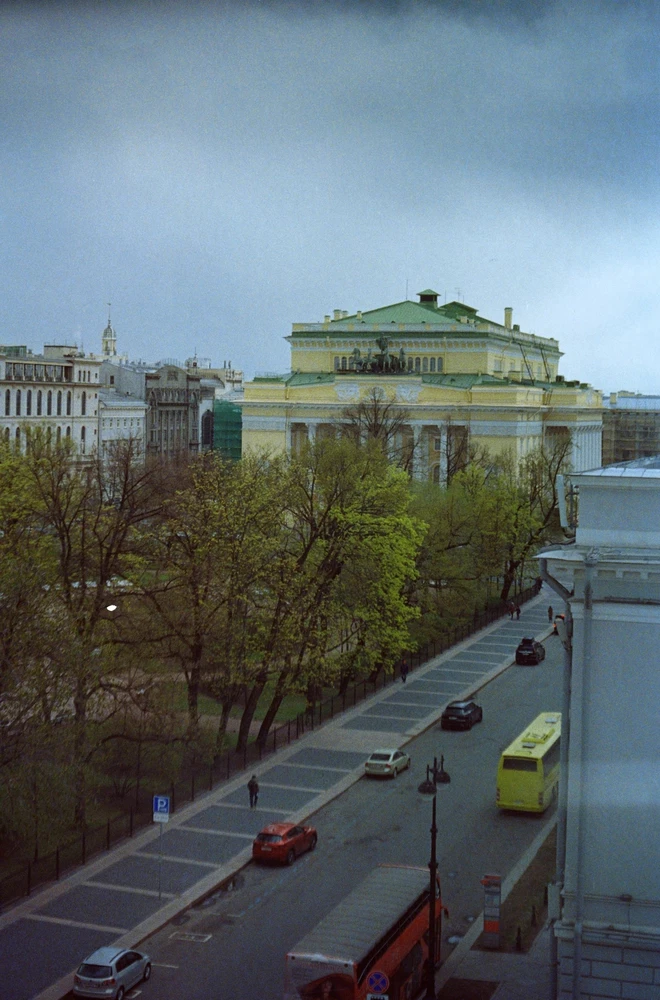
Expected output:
(49, 436)
(49, 403)
(18, 437)
(58, 435)
(6, 434)
(440, 365)
(7, 402)
(18, 402)
(344, 364)
(207, 429)
(28, 403)
(39, 402)
(68, 404)
(83, 404)
(418, 364)
(82, 439)
(68, 432)
(410, 364)
(337, 363)
(59, 403)
(425, 364)
(432, 364)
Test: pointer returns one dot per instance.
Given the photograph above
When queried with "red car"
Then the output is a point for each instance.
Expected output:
(283, 842)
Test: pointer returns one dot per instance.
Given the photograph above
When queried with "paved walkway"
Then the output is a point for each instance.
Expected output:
(115, 899)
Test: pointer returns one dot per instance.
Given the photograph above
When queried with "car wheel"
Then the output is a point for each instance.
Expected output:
(312, 843)
(395, 772)
(481, 715)
(119, 995)
(408, 764)
(291, 857)
(147, 972)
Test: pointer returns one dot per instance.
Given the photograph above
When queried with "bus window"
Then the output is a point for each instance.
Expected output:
(519, 764)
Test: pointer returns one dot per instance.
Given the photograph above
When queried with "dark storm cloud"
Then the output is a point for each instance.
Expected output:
(220, 171)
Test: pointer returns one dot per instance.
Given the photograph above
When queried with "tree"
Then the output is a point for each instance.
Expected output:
(379, 418)
(346, 513)
(89, 514)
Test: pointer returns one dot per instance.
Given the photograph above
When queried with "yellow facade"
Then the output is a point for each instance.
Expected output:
(451, 371)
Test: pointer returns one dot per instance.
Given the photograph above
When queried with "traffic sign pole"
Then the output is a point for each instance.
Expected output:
(161, 815)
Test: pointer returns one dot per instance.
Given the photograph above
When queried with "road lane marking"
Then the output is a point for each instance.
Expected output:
(75, 923)
(126, 888)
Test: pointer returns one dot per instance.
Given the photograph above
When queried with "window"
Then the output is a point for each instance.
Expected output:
(112, 380)
(418, 364)
(49, 403)
(432, 364)
(7, 402)
(437, 444)
(28, 403)
(6, 434)
(18, 402)
(497, 365)
(425, 364)
(83, 404)
(519, 764)
(68, 404)
(440, 364)
(344, 364)
(82, 439)
(39, 403)
(68, 432)
(410, 364)
(337, 363)
(18, 436)
(59, 403)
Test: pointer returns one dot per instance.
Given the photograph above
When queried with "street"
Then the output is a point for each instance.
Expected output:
(245, 933)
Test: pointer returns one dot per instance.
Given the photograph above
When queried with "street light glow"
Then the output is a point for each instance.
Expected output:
(111, 607)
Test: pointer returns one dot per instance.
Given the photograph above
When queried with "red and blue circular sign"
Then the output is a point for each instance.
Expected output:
(378, 982)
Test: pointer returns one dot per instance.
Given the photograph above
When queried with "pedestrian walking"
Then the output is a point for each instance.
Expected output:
(512, 609)
(404, 670)
(253, 789)
(550, 612)
(517, 612)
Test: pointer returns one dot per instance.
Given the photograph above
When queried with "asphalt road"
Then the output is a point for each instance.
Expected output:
(242, 936)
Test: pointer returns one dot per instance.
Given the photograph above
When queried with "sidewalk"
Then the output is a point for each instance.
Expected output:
(115, 899)
(520, 976)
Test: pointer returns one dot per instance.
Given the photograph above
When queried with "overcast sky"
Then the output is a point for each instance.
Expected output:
(220, 171)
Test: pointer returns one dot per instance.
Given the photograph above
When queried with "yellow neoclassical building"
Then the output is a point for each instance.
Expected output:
(451, 370)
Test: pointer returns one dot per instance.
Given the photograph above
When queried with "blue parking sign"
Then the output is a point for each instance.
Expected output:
(161, 808)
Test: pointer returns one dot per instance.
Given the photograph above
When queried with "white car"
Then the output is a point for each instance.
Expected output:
(111, 972)
(387, 762)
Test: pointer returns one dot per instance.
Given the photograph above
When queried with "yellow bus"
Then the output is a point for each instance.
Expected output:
(528, 772)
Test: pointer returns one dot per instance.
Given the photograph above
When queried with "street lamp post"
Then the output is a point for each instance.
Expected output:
(434, 776)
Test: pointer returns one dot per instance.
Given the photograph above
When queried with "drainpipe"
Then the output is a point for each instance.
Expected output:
(564, 594)
(583, 686)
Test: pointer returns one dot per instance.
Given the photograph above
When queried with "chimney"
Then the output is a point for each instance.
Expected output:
(336, 314)
(613, 399)
(326, 319)
(344, 313)
(508, 317)
(358, 315)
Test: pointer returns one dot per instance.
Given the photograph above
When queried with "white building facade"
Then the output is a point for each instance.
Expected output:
(57, 390)
(121, 418)
(607, 903)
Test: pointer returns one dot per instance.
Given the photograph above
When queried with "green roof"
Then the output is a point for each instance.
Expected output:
(412, 313)
(309, 378)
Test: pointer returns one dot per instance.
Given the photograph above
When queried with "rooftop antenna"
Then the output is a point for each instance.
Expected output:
(109, 304)
(458, 293)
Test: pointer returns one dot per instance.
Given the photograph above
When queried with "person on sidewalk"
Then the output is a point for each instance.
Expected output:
(512, 609)
(517, 612)
(253, 789)
(550, 612)
(404, 670)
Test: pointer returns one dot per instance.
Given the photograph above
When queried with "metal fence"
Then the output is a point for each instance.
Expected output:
(203, 778)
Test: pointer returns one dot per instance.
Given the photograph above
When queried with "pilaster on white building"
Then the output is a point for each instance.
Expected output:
(607, 925)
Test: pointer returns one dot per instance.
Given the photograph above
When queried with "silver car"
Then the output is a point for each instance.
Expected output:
(111, 972)
(387, 762)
